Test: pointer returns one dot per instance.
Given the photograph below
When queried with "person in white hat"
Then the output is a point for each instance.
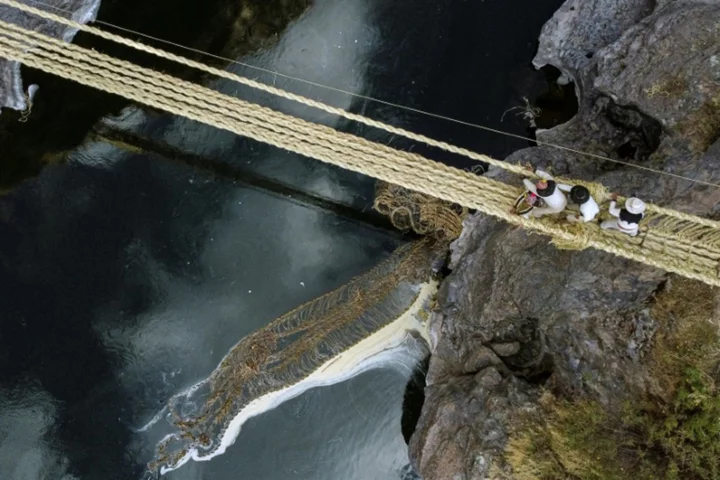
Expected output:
(580, 196)
(549, 192)
(627, 219)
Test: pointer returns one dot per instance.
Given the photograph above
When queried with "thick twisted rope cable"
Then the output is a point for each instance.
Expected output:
(596, 188)
(505, 198)
(266, 88)
(334, 110)
(156, 92)
(402, 168)
(517, 169)
(365, 97)
(242, 111)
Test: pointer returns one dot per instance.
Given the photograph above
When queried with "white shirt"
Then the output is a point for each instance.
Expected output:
(624, 226)
(588, 210)
(556, 201)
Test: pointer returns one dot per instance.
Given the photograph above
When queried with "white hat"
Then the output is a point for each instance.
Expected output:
(634, 205)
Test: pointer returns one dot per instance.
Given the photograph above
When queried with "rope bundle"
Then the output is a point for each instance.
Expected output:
(676, 241)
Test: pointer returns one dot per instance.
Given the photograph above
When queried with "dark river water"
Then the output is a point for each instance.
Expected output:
(127, 272)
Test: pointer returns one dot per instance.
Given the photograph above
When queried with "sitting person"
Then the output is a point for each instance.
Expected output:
(525, 204)
(547, 189)
(580, 196)
(627, 219)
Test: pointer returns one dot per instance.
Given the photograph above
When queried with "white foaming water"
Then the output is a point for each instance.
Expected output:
(387, 346)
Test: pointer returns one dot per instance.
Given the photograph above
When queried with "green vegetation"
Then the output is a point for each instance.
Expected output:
(702, 127)
(670, 436)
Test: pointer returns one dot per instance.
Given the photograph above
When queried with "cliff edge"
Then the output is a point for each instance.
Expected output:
(538, 351)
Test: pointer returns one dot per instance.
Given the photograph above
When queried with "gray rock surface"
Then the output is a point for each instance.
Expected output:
(12, 93)
(645, 69)
(571, 39)
(579, 319)
(464, 424)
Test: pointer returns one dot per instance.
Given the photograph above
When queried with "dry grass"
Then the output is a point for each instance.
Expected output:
(568, 440)
(688, 334)
(702, 127)
(671, 438)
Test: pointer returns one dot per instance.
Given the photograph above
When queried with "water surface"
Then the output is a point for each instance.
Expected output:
(125, 278)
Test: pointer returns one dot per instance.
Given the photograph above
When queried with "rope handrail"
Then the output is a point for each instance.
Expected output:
(677, 242)
(600, 193)
(265, 88)
(314, 104)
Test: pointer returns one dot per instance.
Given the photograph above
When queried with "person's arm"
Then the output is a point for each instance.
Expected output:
(530, 186)
(564, 188)
(614, 211)
(587, 216)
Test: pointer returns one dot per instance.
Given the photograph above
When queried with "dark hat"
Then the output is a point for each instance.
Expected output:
(547, 191)
(579, 194)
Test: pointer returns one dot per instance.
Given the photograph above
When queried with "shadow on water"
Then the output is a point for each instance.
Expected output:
(65, 357)
(64, 111)
(65, 269)
(162, 151)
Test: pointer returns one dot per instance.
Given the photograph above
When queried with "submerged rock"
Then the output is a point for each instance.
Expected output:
(12, 93)
(519, 311)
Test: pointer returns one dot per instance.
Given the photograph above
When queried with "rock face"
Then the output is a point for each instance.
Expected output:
(12, 93)
(645, 68)
(462, 433)
(573, 36)
(516, 312)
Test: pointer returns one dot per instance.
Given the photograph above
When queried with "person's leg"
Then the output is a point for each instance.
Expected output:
(539, 212)
(611, 224)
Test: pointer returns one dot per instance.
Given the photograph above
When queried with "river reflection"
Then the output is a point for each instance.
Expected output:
(125, 279)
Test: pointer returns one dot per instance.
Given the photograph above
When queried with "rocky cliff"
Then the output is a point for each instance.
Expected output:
(518, 318)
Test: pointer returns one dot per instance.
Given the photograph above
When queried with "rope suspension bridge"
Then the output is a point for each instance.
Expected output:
(674, 241)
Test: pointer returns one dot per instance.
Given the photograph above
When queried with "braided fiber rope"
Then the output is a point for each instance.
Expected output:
(677, 242)
(598, 190)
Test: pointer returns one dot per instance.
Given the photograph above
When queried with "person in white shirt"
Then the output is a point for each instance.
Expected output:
(580, 196)
(627, 219)
(549, 192)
